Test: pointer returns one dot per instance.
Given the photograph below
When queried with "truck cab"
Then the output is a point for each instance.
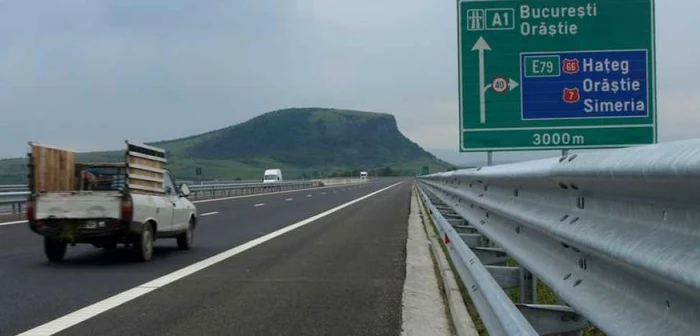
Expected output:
(272, 176)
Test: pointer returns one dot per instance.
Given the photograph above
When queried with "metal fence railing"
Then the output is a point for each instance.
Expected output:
(230, 190)
(13, 187)
(23, 187)
(13, 201)
(614, 234)
(229, 182)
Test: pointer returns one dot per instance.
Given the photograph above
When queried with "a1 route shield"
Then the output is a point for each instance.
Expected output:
(556, 74)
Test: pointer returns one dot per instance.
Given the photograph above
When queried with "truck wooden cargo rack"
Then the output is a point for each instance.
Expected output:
(55, 169)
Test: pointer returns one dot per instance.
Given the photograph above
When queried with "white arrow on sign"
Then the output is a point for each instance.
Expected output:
(512, 84)
(481, 46)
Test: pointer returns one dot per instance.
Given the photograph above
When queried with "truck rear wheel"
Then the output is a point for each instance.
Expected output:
(143, 248)
(54, 249)
(185, 239)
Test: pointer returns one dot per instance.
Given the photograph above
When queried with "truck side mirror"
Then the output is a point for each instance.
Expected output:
(184, 190)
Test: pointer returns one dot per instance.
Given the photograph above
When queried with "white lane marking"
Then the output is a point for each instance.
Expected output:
(335, 191)
(259, 205)
(13, 223)
(309, 195)
(208, 214)
(323, 193)
(84, 314)
(289, 199)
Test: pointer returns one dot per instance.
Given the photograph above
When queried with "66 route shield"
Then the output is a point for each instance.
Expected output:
(571, 66)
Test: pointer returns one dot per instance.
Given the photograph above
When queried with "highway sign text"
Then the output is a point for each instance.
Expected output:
(549, 74)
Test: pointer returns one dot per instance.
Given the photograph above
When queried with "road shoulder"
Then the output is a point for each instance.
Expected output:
(424, 311)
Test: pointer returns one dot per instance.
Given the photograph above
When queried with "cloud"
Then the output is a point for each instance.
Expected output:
(434, 136)
(679, 116)
(90, 73)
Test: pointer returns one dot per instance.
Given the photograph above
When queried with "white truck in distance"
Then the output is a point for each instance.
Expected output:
(272, 176)
(105, 204)
(363, 175)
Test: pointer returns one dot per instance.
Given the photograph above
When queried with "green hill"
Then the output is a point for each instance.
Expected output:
(309, 142)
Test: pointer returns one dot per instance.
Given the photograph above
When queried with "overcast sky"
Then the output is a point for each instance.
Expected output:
(89, 74)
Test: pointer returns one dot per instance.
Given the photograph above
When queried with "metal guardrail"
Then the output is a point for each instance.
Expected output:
(13, 200)
(23, 187)
(230, 182)
(198, 192)
(613, 233)
(13, 187)
(230, 190)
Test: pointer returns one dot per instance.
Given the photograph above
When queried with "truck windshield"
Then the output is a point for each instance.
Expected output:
(270, 177)
(103, 179)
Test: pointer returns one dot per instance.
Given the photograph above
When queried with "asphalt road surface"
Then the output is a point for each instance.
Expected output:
(341, 274)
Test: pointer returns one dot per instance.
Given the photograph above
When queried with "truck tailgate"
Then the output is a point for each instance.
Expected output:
(78, 205)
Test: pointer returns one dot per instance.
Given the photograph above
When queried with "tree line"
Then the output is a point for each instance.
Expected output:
(377, 172)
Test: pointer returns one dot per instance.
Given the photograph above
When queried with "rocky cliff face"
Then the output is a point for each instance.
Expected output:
(314, 137)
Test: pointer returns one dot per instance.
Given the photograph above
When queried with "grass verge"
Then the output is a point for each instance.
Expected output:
(471, 308)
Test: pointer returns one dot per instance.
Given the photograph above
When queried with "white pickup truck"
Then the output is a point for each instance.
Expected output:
(131, 203)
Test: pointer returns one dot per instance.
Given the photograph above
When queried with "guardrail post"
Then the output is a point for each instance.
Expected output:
(554, 320)
(528, 286)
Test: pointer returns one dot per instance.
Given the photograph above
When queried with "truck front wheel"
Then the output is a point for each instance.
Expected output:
(184, 240)
(54, 249)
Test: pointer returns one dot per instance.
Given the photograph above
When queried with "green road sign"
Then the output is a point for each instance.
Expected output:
(425, 170)
(556, 74)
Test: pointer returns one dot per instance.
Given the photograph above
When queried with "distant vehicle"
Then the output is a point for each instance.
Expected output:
(363, 175)
(105, 204)
(272, 176)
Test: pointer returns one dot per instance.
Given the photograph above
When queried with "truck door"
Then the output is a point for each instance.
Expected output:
(180, 211)
(166, 209)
